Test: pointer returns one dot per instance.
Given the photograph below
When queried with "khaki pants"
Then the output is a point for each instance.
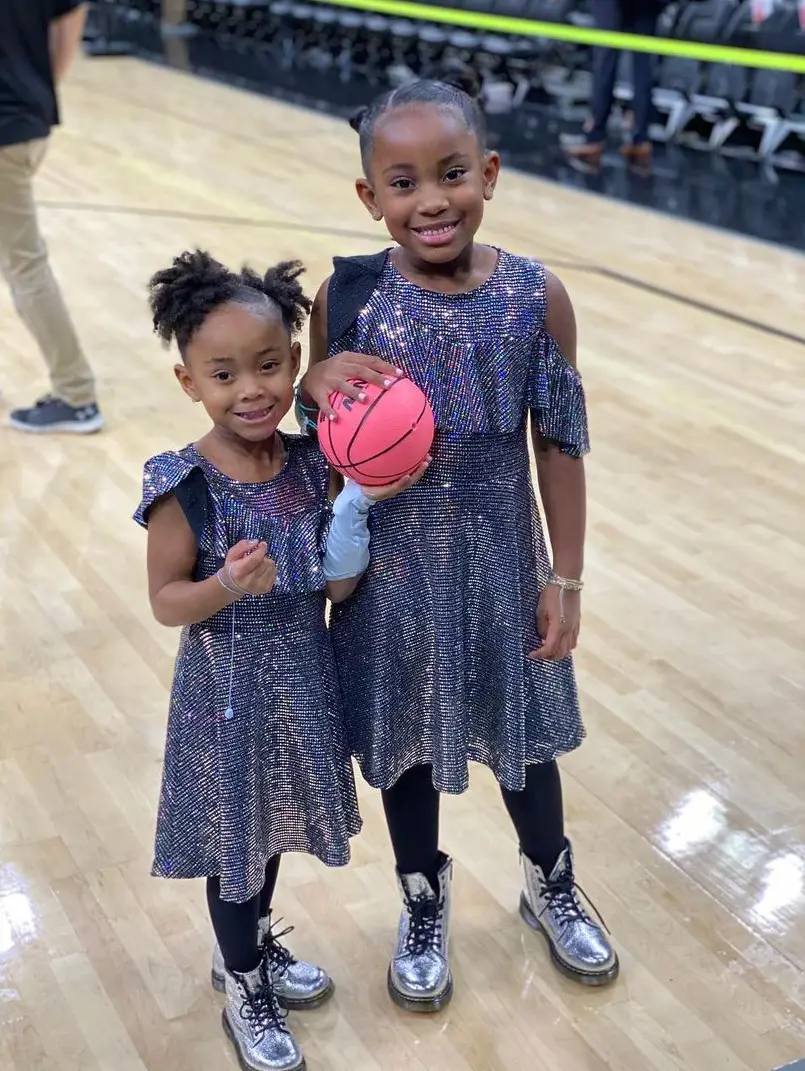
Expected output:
(174, 12)
(24, 264)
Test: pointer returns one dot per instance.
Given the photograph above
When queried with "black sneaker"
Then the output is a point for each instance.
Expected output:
(53, 415)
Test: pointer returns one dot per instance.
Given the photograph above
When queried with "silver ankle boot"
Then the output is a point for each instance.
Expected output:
(255, 1024)
(298, 985)
(579, 947)
(419, 977)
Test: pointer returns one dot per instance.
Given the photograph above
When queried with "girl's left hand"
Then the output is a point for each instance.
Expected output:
(382, 494)
(559, 637)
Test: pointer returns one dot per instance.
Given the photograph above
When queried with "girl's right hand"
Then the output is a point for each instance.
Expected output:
(334, 375)
(248, 566)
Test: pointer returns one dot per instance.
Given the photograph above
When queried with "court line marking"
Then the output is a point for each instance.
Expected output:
(340, 232)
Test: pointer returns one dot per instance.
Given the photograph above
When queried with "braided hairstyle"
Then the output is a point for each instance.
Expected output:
(456, 90)
(183, 296)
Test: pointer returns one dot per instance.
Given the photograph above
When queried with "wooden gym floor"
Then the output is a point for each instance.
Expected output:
(686, 804)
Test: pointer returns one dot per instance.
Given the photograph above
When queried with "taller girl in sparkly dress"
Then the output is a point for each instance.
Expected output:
(243, 546)
(456, 646)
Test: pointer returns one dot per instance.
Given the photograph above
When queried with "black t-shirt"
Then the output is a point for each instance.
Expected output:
(28, 106)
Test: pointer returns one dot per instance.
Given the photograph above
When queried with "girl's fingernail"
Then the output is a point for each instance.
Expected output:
(361, 397)
(399, 371)
(387, 382)
(331, 416)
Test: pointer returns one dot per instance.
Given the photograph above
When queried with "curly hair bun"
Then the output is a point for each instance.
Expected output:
(183, 295)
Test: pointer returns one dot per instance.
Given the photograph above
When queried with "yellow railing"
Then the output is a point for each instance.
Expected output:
(502, 24)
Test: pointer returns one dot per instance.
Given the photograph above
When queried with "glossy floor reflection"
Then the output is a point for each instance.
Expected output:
(686, 804)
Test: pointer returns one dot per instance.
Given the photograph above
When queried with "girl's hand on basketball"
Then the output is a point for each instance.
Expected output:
(248, 566)
(338, 373)
(559, 636)
(382, 494)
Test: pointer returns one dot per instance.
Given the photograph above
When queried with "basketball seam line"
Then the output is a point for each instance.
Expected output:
(366, 415)
(373, 457)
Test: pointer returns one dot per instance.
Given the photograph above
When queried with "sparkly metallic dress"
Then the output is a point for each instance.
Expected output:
(431, 650)
(256, 759)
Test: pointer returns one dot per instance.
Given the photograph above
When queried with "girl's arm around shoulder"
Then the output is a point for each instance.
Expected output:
(318, 326)
(338, 590)
(176, 598)
(342, 373)
(346, 556)
(317, 344)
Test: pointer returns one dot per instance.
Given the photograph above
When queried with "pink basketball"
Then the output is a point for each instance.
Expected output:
(382, 439)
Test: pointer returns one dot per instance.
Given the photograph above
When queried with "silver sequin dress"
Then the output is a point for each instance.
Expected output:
(276, 775)
(431, 651)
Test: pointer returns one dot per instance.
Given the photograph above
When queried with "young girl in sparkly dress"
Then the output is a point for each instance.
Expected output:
(456, 646)
(242, 546)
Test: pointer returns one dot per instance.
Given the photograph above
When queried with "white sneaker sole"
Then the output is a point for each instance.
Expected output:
(69, 427)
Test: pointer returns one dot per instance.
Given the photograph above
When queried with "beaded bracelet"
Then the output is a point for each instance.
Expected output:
(306, 415)
(564, 582)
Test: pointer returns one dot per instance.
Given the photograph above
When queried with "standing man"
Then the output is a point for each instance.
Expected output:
(38, 40)
(624, 16)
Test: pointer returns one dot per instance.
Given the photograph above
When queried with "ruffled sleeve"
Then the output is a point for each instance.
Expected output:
(170, 473)
(555, 396)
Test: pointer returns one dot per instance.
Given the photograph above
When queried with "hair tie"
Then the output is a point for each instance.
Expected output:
(464, 79)
(357, 118)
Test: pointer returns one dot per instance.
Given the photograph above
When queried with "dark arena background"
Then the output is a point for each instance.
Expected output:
(728, 102)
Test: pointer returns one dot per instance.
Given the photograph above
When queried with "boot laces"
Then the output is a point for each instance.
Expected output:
(424, 924)
(260, 1007)
(278, 955)
(561, 896)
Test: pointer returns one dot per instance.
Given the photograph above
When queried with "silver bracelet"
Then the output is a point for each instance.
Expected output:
(234, 590)
(564, 583)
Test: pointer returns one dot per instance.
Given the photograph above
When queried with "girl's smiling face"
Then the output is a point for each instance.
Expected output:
(428, 179)
(241, 365)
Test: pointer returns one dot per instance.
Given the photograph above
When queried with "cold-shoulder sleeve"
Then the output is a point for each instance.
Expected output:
(170, 473)
(555, 397)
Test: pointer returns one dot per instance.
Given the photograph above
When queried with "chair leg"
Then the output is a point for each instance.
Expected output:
(723, 130)
(678, 118)
(774, 134)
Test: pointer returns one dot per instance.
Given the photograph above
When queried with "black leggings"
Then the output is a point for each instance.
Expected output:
(235, 925)
(412, 815)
